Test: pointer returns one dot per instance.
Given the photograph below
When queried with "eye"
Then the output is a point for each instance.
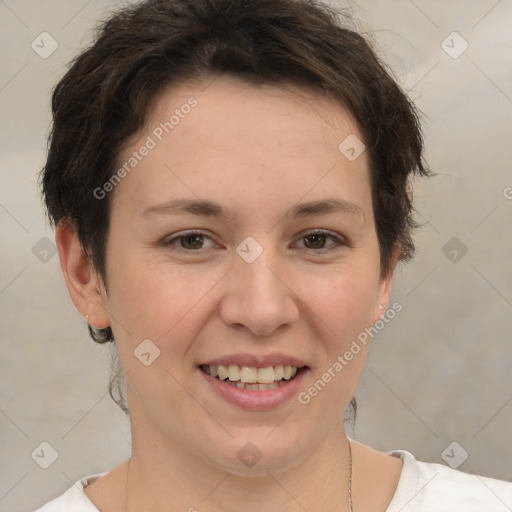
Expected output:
(187, 241)
(316, 240)
(194, 241)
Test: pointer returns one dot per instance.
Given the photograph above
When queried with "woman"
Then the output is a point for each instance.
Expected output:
(229, 181)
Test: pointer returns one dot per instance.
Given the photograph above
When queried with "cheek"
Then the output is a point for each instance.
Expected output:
(343, 310)
(152, 302)
(162, 301)
(343, 302)
(343, 307)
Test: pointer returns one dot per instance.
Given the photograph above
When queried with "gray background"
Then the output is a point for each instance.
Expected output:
(439, 373)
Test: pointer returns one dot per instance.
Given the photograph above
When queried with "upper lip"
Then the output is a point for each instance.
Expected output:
(257, 361)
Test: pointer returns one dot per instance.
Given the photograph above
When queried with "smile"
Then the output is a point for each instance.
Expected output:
(251, 378)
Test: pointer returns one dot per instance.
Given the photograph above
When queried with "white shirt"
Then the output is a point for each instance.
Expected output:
(422, 487)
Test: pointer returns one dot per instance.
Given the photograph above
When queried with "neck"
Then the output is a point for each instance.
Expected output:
(161, 476)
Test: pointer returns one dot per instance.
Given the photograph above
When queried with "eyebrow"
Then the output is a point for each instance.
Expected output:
(207, 208)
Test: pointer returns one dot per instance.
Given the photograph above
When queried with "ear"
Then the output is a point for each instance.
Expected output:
(84, 285)
(385, 286)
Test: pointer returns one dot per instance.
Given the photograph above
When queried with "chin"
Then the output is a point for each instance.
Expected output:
(257, 451)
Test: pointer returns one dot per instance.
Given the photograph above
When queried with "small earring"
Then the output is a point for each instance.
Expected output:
(381, 306)
(87, 318)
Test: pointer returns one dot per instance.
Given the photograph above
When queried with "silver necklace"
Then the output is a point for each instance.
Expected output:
(350, 506)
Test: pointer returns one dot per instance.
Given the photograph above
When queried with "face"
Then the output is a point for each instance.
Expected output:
(241, 242)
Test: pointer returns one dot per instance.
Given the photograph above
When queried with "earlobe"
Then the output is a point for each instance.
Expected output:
(385, 286)
(83, 283)
(383, 298)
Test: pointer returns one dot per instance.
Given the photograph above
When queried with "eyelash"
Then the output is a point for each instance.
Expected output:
(339, 240)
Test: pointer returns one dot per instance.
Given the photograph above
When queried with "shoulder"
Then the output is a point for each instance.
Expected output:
(431, 487)
(74, 498)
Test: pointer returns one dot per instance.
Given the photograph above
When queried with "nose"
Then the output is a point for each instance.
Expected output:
(258, 297)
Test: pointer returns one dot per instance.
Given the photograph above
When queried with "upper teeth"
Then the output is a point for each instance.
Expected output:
(249, 374)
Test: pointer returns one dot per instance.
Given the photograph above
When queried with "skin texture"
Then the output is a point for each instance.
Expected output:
(258, 151)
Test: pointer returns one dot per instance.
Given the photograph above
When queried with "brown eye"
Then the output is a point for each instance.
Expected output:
(318, 241)
(191, 241)
(315, 241)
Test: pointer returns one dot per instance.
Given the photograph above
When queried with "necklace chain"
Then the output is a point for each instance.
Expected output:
(350, 505)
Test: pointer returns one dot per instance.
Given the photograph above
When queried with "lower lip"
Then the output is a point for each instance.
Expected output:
(256, 400)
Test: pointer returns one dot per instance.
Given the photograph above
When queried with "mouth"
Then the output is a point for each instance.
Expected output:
(251, 378)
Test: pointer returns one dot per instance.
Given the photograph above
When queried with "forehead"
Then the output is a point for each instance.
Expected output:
(227, 102)
(233, 135)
